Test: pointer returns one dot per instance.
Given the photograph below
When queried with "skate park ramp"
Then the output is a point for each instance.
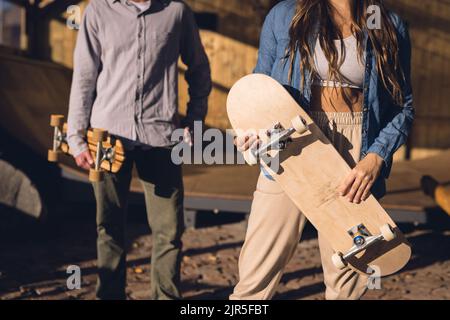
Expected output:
(32, 90)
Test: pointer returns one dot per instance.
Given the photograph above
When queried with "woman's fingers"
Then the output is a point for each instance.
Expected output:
(251, 142)
(344, 188)
(246, 142)
(256, 143)
(354, 189)
(240, 141)
(357, 185)
(361, 190)
(366, 193)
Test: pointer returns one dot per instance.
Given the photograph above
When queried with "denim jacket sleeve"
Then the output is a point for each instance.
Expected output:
(396, 131)
(267, 46)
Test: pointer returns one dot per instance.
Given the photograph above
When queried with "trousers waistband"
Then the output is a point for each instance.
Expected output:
(339, 118)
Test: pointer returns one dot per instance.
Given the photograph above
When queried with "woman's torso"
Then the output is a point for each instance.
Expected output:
(345, 94)
(329, 99)
(377, 105)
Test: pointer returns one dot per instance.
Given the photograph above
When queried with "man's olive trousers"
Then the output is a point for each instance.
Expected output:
(163, 189)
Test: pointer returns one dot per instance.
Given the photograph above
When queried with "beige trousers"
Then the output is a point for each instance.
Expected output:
(275, 226)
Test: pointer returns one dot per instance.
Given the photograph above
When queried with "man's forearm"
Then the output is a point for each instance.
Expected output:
(77, 144)
(83, 92)
(80, 106)
(196, 111)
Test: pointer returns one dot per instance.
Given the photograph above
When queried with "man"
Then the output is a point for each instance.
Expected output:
(125, 81)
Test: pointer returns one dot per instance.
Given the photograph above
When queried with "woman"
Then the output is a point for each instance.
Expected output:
(354, 81)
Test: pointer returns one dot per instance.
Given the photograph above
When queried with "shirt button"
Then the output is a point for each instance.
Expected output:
(365, 109)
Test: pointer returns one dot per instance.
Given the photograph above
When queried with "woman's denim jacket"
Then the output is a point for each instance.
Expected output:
(385, 125)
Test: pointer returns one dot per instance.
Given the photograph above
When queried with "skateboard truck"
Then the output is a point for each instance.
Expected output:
(361, 241)
(57, 122)
(279, 138)
(280, 141)
(99, 136)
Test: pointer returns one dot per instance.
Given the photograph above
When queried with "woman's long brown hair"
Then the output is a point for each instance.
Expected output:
(384, 41)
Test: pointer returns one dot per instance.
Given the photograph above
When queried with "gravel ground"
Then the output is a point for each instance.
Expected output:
(33, 264)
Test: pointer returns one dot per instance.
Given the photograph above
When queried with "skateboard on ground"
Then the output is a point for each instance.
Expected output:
(107, 151)
(310, 170)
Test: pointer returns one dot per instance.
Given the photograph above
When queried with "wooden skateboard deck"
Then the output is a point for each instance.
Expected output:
(310, 171)
(113, 155)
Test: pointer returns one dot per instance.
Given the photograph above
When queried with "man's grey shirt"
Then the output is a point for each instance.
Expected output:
(125, 76)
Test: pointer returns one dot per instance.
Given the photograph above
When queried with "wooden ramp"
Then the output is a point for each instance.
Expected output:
(230, 188)
(405, 198)
(29, 92)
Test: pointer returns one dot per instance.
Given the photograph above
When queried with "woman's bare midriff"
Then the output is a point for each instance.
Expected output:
(329, 99)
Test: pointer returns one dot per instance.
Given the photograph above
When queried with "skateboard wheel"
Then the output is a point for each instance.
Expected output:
(95, 175)
(299, 124)
(338, 261)
(99, 135)
(250, 158)
(56, 120)
(387, 232)
(52, 156)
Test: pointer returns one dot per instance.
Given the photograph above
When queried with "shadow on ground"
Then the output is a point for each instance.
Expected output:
(40, 253)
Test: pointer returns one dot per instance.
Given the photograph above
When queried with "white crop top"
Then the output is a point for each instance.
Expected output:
(352, 70)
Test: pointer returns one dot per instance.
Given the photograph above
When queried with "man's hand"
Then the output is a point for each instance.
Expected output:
(188, 136)
(357, 185)
(84, 160)
(246, 141)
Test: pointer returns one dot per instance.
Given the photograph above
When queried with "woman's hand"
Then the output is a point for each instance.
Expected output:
(246, 141)
(357, 185)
